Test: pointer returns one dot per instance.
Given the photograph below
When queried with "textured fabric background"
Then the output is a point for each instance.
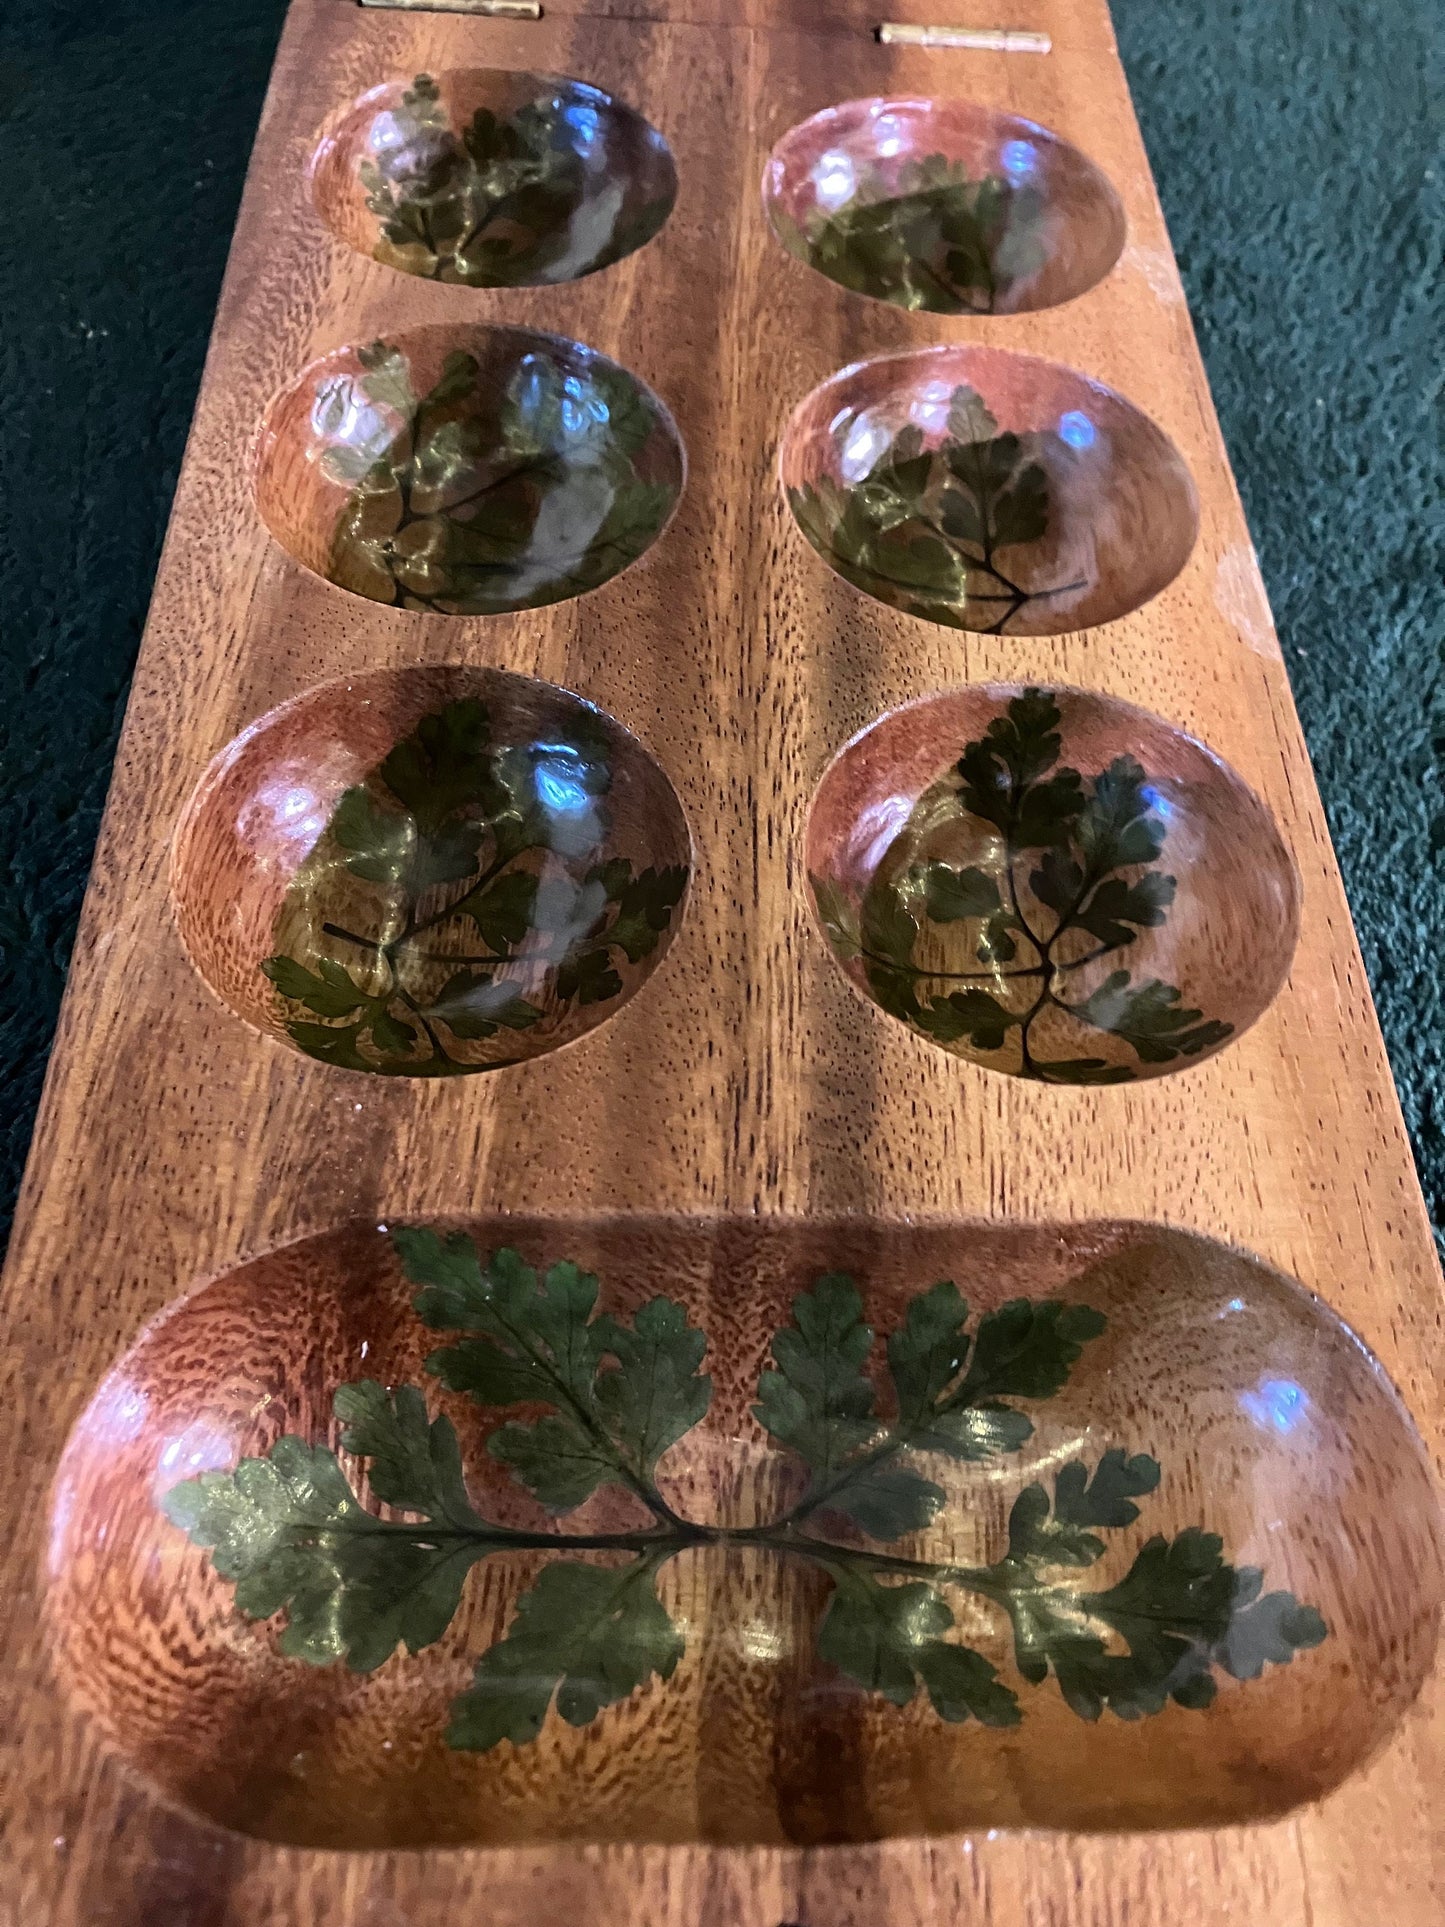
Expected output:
(1292, 140)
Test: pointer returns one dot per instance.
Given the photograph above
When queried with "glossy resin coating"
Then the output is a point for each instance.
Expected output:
(1114, 1529)
(987, 490)
(946, 206)
(430, 871)
(1052, 884)
(467, 471)
(493, 179)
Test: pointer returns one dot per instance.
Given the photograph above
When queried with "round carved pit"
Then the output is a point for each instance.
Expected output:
(429, 871)
(1144, 1538)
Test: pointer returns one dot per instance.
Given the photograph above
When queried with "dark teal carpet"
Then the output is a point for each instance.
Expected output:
(1292, 140)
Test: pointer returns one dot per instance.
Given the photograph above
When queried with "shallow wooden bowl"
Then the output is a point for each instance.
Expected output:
(1052, 883)
(429, 871)
(467, 470)
(947, 206)
(492, 178)
(1165, 1425)
(988, 490)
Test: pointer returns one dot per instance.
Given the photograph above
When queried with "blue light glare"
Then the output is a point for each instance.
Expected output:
(559, 777)
(1076, 429)
(1019, 159)
(585, 122)
(582, 407)
(1278, 1404)
(1155, 800)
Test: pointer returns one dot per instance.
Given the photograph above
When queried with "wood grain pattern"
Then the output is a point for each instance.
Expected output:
(749, 1078)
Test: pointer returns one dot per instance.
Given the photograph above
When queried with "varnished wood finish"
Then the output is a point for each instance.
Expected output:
(749, 1078)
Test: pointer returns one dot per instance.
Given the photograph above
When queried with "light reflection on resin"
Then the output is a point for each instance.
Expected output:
(494, 179)
(431, 872)
(468, 471)
(943, 206)
(1053, 885)
(988, 491)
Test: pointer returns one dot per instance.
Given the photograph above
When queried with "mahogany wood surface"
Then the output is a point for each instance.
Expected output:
(746, 1077)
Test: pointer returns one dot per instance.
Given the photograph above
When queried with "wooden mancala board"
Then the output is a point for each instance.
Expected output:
(882, 1408)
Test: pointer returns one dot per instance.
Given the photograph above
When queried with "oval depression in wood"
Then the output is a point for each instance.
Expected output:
(1051, 883)
(492, 178)
(946, 206)
(988, 490)
(427, 871)
(467, 470)
(1223, 1397)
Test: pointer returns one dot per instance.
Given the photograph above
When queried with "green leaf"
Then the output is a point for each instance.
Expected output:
(1083, 1070)
(886, 1501)
(974, 1014)
(387, 380)
(502, 910)
(445, 855)
(1058, 882)
(328, 1046)
(889, 929)
(961, 1682)
(392, 1035)
(380, 840)
(1264, 1631)
(558, 1461)
(1176, 1592)
(890, 1639)
(590, 1635)
(1106, 1499)
(1115, 905)
(925, 1356)
(444, 765)
(819, 1401)
(537, 1342)
(587, 976)
(951, 895)
(969, 419)
(458, 380)
(927, 1352)
(415, 1463)
(1027, 1349)
(974, 1432)
(330, 992)
(1150, 1019)
(655, 1392)
(1006, 781)
(1152, 1637)
(1021, 511)
(1032, 1534)
(292, 1536)
(457, 1292)
(473, 1004)
(644, 910)
(1116, 828)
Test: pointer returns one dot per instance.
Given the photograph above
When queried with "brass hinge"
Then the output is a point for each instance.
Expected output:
(983, 40)
(492, 9)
